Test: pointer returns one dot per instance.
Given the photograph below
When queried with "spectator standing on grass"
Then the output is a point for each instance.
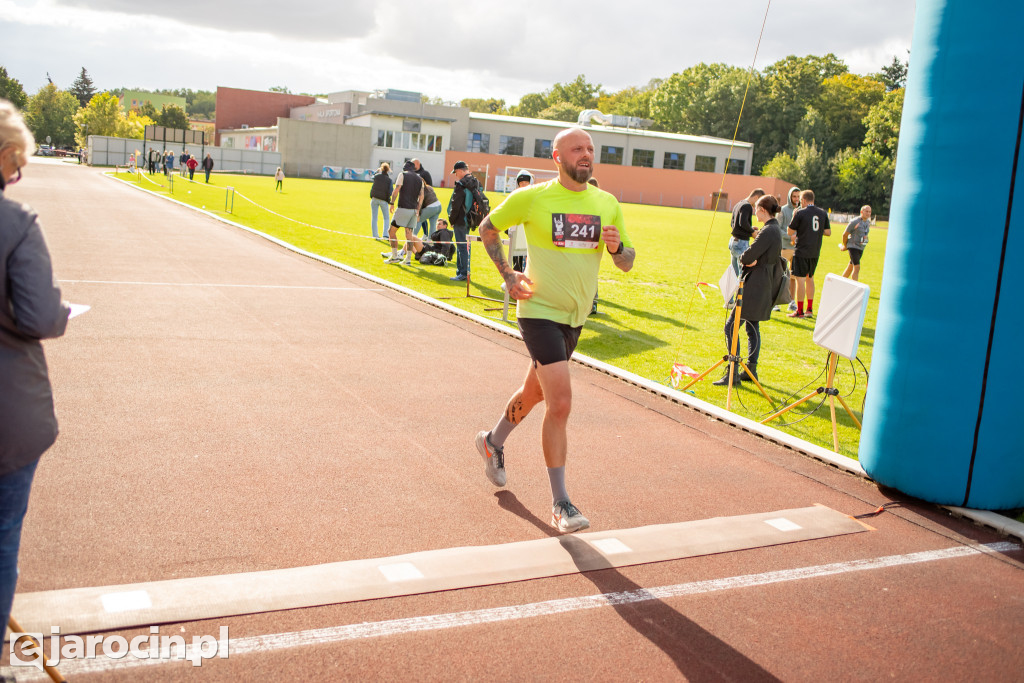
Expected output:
(168, 163)
(810, 225)
(279, 180)
(785, 218)
(430, 210)
(568, 226)
(208, 166)
(423, 173)
(409, 195)
(458, 208)
(760, 262)
(30, 310)
(855, 238)
(524, 179)
(742, 227)
(380, 199)
(183, 161)
(154, 159)
(192, 164)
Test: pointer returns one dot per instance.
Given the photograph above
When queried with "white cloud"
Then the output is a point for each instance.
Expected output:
(446, 48)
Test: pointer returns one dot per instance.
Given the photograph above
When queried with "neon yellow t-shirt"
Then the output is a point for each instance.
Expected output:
(563, 246)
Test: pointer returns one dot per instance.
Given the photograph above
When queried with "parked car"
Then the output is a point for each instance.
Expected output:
(44, 151)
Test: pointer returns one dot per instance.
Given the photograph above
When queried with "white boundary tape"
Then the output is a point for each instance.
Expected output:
(1000, 523)
(438, 622)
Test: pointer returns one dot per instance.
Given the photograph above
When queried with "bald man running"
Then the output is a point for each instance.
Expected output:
(568, 226)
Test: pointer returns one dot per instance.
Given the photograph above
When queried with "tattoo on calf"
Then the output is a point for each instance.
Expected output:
(514, 411)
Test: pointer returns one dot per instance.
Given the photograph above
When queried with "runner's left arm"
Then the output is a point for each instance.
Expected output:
(622, 256)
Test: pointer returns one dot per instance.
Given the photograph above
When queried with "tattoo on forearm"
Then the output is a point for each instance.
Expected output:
(492, 243)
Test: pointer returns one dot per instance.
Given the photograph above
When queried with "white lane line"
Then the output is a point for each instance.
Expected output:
(437, 622)
(210, 284)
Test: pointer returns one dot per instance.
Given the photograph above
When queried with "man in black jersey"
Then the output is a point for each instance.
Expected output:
(809, 225)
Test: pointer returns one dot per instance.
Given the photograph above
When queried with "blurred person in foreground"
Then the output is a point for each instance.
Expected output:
(31, 310)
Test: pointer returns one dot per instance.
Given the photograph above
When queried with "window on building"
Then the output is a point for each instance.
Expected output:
(479, 142)
(736, 166)
(704, 164)
(542, 149)
(510, 144)
(675, 160)
(643, 157)
(611, 155)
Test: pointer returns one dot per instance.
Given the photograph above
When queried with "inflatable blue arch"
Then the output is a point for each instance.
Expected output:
(942, 409)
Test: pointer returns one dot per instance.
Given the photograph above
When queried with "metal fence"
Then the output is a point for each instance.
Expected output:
(109, 151)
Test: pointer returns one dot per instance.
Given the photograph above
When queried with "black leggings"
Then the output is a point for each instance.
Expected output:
(753, 328)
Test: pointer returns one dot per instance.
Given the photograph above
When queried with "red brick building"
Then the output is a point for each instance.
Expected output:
(237, 108)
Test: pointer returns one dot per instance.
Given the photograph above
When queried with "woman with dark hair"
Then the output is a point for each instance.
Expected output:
(760, 263)
(30, 310)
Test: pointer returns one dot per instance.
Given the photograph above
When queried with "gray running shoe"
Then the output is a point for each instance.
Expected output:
(494, 459)
(792, 306)
(393, 259)
(567, 518)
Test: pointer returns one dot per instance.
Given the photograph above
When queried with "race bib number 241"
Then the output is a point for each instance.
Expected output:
(575, 230)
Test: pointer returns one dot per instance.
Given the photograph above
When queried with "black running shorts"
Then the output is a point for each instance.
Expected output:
(855, 255)
(547, 341)
(804, 267)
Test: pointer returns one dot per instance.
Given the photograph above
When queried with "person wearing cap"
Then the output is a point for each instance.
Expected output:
(409, 193)
(568, 226)
(458, 208)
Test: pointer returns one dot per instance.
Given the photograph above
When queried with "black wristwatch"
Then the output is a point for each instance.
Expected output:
(619, 250)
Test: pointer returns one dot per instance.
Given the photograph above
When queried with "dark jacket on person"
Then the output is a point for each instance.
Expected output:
(429, 197)
(382, 186)
(409, 192)
(441, 243)
(759, 280)
(208, 163)
(742, 221)
(30, 310)
(425, 175)
(462, 199)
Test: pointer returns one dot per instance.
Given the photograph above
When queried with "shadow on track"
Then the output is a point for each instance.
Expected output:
(698, 654)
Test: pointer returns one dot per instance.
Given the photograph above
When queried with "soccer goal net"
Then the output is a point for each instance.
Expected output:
(505, 181)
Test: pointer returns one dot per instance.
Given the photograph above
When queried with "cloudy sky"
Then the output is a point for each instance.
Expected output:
(443, 48)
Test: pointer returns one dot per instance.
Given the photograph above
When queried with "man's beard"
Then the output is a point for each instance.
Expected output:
(579, 175)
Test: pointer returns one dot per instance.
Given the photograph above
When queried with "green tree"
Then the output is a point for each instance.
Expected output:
(883, 124)
(705, 100)
(789, 87)
(631, 101)
(147, 109)
(133, 126)
(280, 88)
(578, 92)
(865, 177)
(173, 116)
(202, 104)
(83, 88)
(484, 106)
(102, 116)
(783, 166)
(844, 102)
(530, 105)
(812, 128)
(561, 111)
(894, 76)
(11, 90)
(51, 113)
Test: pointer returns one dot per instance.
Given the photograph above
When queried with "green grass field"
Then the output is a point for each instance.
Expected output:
(648, 318)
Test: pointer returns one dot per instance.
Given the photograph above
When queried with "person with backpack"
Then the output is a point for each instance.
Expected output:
(461, 215)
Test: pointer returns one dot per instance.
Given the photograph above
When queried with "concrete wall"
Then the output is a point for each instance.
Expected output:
(107, 151)
(688, 189)
(306, 147)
